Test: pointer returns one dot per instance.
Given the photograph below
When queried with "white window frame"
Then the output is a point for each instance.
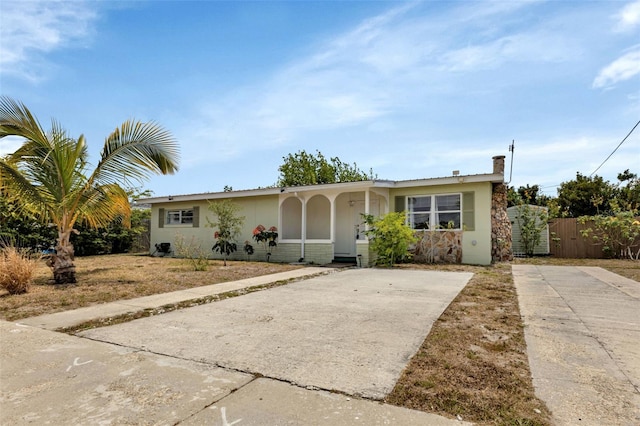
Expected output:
(433, 213)
(183, 216)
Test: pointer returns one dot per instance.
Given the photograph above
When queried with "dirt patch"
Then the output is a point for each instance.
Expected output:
(474, 364)
(103, 279)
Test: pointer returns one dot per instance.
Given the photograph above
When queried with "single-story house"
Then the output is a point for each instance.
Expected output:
(459, 218)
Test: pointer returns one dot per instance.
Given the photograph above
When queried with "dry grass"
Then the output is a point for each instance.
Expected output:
(103, 279)
(16, 270)
(473, 363)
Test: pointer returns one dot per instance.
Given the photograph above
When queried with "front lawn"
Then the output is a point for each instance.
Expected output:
(473, 363)
(103, 279)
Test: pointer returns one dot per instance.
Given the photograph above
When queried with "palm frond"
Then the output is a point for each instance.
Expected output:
(17, 120)
(135, 150)
(14, 183)
(48, 173)
(102, 204)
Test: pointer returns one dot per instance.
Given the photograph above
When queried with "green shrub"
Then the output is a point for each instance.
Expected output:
(229, 226)
(618, 234)
(532, 221)
(389, 237)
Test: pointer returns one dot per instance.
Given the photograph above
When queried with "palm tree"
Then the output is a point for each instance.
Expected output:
(49, 174)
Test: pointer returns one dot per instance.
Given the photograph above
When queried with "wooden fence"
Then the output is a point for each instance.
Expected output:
(566, 241)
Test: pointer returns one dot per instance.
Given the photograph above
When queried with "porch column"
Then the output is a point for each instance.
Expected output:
(303, 230)
(367, 200)
(367, 209)
(332, 222)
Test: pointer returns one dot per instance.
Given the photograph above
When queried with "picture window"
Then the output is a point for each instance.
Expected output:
(434, 211)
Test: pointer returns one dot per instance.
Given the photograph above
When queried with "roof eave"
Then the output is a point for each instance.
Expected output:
(449, 180)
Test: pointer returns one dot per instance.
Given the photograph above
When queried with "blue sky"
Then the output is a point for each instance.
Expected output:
(409, 89)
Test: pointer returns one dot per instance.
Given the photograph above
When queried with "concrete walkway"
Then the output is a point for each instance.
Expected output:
(53, 378)
(582, 327)
(60, 320)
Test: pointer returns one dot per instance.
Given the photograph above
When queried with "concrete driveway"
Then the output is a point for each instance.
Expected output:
(351, 332)
(582, 327)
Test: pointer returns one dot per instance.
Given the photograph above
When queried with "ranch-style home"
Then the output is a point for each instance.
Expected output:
(459, 219)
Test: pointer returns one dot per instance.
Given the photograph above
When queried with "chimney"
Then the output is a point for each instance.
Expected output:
(498, 164)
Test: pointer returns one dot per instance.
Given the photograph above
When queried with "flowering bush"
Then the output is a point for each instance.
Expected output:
(268, 237)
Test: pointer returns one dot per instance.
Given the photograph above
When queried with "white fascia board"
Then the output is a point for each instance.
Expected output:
(210, 196)
(451, 180)
(360, 185)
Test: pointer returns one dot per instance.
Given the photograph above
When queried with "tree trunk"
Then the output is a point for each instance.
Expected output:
(64, 270)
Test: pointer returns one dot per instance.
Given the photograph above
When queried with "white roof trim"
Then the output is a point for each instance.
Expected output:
(449, 180)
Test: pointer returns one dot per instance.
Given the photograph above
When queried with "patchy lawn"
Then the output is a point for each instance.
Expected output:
(473, 364)
(103, 279)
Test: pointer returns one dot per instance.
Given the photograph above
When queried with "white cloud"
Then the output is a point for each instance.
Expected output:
(10, 144)
(623, 68)
(379, 69)
(628, 18)
(31, 28)
(526, 47)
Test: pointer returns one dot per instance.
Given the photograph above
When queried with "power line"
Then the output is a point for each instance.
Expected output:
(613, 152)
(606, 159)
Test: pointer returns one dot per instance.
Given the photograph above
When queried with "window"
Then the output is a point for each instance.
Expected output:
(179, 217)
(419, 212)
(434, 211)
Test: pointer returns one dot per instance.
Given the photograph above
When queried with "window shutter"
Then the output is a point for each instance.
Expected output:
(161, 218)
(400, 207)
(196, 216)
(468, 211)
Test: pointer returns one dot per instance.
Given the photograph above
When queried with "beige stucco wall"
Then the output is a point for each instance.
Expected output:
(476, 244)
(262, 210)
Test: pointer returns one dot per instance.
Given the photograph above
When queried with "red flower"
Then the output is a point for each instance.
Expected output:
(216, 234)
(258, 229)
(273, 229)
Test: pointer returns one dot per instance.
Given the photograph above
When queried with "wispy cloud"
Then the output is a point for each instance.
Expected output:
(625, 67)
(379, 69)
(628, 18)
(29, 29)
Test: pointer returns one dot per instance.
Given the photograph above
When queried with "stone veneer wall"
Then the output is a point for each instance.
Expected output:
(438, 247)
(501, 241)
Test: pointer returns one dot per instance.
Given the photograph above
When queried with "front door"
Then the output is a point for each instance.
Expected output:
(348, 225)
